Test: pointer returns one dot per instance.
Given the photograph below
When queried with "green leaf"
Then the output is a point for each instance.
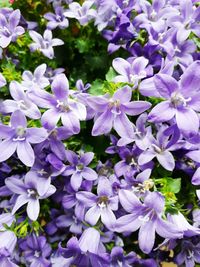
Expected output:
(4, 3)
(110, 75)
(96, 88)
(173, 185)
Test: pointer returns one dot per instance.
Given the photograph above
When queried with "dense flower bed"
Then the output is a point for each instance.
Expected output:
(99, 133)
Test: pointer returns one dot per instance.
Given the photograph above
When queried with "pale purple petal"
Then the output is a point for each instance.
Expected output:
(123, 126)
(33, 209)
(147, 236)
(36, 135)
(7, 148)
(89, 174)
(20, 201)
(92, 215)
(60, 86)
(25, 153)
(103, 124)
(187, 121)
(166, 159)
(76, 180)
(129, 201)
(165, 85)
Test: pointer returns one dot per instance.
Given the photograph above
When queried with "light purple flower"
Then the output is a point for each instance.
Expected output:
(61, 105)
(186, 21)
(82, 13)
(9, 29)
(101, 205)
(131, 71)
(182, 100)
(160, 148)
(17, 137)
(147, 217)
(30, 190)
(44, 43)
(189, 254)
(111, 112)
(36, 80)
(36, 250)
(78, 168)
(57, 19)
(21, 102)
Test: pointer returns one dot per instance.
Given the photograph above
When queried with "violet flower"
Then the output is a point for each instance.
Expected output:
(56, 20)
(111, 112)
(182, 100)
(36, 251)
(131, 71)
(78, 168)
(9, 29)
(82, 13)
(60, 104)
(147, 217)
(17, 137)
(101, 205)
(44, 43)
(159, 148)
(186, 21)
(119, 259)
(190, 254)
(85, 251)
(36, 80)
(21, 102)
(141, 135)
(30, 190)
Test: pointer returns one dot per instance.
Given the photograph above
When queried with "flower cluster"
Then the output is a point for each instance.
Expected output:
(104, 173)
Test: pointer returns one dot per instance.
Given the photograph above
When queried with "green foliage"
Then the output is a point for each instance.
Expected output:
(5, 3)
(9, 71)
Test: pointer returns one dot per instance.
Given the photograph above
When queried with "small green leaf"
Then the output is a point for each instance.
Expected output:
(96, 88)
(173, 185)
(110, 75)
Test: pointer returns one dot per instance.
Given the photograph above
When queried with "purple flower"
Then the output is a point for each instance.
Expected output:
(37, 80)
(61, 105)
(186, 21)
(101, 205)
(82, 13)
(30, 190)
(44, 44)
(182, 100)
(119, 259)
(78, 168)
(141, 135)
(189, 254)
(131, 71)
(85, 251)
(57, 19)
(9, 29)
(147, 217)
(159, 148)
(21, 102)
(36, 251)
(17, 137)
(111, 112)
